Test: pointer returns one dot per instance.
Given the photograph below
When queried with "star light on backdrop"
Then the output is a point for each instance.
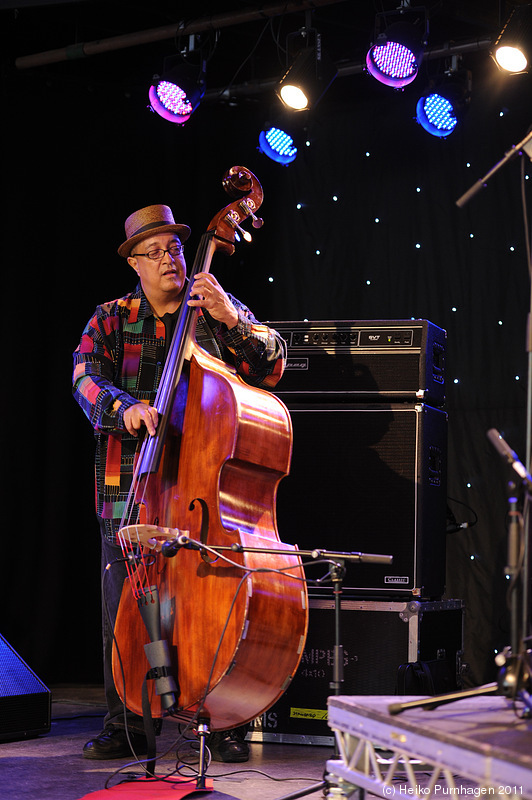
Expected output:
(512, 50)
(397, 50)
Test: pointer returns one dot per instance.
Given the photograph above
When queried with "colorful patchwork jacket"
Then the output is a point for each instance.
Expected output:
(119, 362)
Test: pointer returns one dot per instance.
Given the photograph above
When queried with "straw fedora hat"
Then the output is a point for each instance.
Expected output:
(150, 221)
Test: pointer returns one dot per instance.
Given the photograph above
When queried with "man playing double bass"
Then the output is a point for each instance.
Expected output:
(117, 368)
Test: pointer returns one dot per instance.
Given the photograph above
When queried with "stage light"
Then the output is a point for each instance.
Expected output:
(512, 49)
(440, 109)
(396, 54)
(176, 94)
(277, 144)
(436, 114)
(308, 78)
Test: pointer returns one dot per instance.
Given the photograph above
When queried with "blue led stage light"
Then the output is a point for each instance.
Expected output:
(436, 114)
(440, 109)
(277, 145)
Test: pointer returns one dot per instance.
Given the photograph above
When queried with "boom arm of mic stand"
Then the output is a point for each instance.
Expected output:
(439, 700)
(482, 182)
(171, 546)
(337, 572)
(365, 558)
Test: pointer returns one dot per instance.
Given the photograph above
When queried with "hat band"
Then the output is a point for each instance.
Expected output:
(151, 225)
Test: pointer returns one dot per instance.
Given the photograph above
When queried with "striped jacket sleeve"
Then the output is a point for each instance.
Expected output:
(95, 380)
(257, 351)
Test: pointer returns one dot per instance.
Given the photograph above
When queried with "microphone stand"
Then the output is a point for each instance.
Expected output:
(514, 678)
(516, 150)
(482, 182)
(337, 561)
(514, 673)
(526, 146)
(336, 573)
(171, 546)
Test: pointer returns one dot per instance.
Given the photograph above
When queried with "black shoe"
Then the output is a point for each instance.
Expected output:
(113, 743)
(229, 746)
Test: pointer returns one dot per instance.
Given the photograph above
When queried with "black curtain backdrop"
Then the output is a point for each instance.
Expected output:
(78, 158)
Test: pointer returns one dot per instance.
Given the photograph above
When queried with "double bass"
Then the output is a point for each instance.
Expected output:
(215, 605)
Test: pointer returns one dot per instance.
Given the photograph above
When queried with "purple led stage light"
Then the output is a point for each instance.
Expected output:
(178, 91)
(395, 57)
(170, 102)
(392, 64)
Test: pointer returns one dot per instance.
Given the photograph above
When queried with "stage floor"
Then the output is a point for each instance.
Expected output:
(483, 740)
(51, 766)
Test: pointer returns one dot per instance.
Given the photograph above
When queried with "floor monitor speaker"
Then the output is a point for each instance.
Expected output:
(25, 702)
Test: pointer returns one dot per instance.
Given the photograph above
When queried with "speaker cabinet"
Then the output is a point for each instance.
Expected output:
(25, 702)
(370, 479)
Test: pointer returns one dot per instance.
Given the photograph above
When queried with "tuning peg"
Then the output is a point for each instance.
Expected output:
(257, 222)
(244, 234)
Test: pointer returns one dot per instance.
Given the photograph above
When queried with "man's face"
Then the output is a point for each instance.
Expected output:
(162, 277)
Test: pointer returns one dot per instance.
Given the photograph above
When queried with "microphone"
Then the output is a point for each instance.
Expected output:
(157, 650)
(171, 546)
(509, 455)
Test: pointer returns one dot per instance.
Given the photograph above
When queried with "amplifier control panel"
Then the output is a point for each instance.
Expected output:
(347, 337)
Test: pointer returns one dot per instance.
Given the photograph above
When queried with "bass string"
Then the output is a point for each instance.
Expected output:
(134, 552)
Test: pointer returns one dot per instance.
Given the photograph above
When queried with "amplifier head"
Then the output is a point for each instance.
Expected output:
(367, 360)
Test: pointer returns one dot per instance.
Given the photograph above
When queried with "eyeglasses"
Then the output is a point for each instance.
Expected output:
(155, 255)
